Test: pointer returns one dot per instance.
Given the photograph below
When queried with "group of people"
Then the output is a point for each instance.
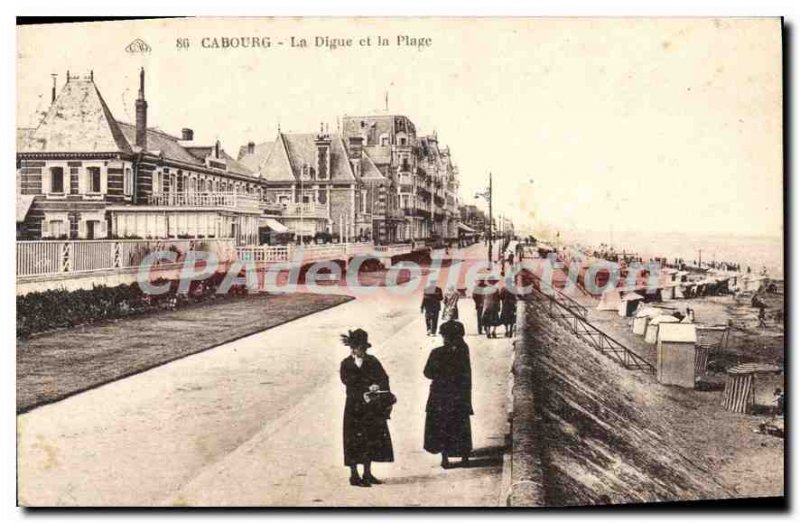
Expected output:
(494, 306)
(369, 403)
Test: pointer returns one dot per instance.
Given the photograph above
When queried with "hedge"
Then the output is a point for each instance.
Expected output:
(54, 309)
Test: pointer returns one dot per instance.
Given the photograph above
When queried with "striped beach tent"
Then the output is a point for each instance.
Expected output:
(739, 394)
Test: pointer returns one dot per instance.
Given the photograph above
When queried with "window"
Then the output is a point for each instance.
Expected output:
(402, 141)
(57, 228)
(57, 180)
(93, 177)
(384, 140)
(157, 182)
(127, 182)
(363, 201)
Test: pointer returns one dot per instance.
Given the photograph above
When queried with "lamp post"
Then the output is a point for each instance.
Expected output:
(487, 195)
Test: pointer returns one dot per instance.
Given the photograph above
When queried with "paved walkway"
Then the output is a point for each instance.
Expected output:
(258, 422)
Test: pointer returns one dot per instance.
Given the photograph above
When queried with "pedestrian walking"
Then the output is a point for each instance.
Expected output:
(367, 407)
(490, 316)
(508, 311)
(477, 297)
(447, 421)
(430, 307)
(450, 304)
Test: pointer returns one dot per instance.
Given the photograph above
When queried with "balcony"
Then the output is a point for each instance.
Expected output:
(395, 214)
(306, 210)
(228, 200)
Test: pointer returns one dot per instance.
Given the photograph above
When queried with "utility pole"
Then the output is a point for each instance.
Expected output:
(491, 220)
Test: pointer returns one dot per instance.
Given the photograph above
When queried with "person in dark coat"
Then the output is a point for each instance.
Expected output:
(508, 310)
(447, 424)
(365, 430)
(477, 297)
(431, 305)
(491, 311)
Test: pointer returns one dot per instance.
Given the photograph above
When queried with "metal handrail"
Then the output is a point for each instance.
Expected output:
(597, 338)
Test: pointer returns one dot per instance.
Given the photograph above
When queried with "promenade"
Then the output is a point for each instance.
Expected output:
(257, 422)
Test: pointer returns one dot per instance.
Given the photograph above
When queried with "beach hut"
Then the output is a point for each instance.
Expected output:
(676, 354)
(628, 304)
(642, 318)
(651, 334)
(743, 384)
(667, 291)
(610, 300)
(752, 283)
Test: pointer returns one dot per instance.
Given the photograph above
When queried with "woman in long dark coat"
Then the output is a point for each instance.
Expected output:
(490, 318)
(365, 431)
(447, 424)
(508, 310)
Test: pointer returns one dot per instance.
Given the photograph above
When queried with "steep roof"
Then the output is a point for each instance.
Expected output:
(78, 121)
(369, 171)
(169, 147)
(379, 155)
(160, 141)
(276, 167)
(293, 151)
(254, 160)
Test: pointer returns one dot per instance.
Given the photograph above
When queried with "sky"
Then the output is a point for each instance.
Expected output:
(662, 125)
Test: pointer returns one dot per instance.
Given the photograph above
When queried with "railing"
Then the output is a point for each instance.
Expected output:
(233, 200)
(394, 249)
(307, 209)
(284, 253)
(563, 307)
(44, 258)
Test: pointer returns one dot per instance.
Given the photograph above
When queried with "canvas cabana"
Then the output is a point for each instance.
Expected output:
(642, 318)
(628, 304)
(610, 300)
(651, 334)
(747, 383)
(676, 354)
(667, 292)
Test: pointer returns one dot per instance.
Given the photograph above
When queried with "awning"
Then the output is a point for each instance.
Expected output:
(273, 224)
(24, 202)
(465, 228)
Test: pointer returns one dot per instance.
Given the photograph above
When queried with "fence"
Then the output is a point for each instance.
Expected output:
(331, 251)
(563, 307)
(43, 258)
(230, 199)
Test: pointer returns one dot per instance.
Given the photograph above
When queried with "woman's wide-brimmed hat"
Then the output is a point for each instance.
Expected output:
(356, 338)
(452, 329)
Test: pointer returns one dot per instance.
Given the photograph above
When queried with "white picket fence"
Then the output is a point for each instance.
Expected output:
(329, 251)
(42, 258)
(38, 258)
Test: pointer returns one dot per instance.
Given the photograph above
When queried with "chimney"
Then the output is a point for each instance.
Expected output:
(141, 114)
(53, 95)
(216, 149)
(251, 147)
(323, 143)
(187, 134)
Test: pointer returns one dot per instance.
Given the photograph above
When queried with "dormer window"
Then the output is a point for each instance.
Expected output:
(306, 172)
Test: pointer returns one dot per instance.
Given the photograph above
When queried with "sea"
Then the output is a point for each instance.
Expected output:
(753, 251)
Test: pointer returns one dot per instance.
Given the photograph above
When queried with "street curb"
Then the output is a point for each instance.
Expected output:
(525, 471)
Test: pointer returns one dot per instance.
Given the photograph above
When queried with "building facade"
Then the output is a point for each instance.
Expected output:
(422, 196)
(82, 174)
